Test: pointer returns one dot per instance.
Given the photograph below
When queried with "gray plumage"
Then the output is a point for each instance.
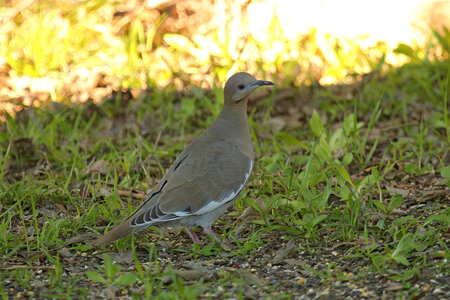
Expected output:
(207, 177)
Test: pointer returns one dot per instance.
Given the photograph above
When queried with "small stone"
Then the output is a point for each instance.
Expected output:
(110, 292)
(293, 262)
(64, 252)
(38, 283)
(394, 286)
(250, 292)
(219, 293)
(434, 281)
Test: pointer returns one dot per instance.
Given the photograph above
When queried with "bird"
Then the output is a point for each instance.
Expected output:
(207, 177)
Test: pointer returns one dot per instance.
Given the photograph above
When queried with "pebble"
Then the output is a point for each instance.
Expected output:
(437, 291)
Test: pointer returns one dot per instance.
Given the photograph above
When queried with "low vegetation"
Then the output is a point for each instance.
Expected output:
(349, 196)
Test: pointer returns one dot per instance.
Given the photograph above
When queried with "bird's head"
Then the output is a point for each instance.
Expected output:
(239, 86)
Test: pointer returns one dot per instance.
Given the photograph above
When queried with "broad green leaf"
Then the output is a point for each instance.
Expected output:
(273, 167)
(379, 261)
(410, 168)
(405, 245)
(440, 218)
(307, 220)
(316, 124)
(299, 160)
(126, 279)
(347, 125)
(445, 172)
(252, 203)
(321, 201)
(95, 277)
(380, 224)
(347, 159)
(344, 192)
(110, 268)
(107, 261)
(291, 140)
(319, 219)
(278, 156)
(337, 140)
(401, 259)
(437, 123)
(322, 153)
(379, 205)
(259, 222)
(342, 172)
(395, 202)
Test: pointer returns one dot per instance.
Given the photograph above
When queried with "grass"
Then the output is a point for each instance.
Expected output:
(357, 176)
(49, 193)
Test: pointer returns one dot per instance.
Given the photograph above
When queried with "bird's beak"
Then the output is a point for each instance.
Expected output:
(261, 83)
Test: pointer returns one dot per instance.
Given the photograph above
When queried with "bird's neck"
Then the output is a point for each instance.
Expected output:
(232, 125)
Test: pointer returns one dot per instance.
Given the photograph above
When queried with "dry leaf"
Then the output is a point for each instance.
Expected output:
(284, 252)
(61, 207)
(397, 190)
(190, 275)
(121, 257)
(246, 276)
(98, 167)
(393, 286)
(78, 239)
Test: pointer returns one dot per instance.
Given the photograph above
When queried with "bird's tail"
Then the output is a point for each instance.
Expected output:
(116, 233)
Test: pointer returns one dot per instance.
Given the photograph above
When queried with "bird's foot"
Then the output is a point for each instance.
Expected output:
(193, 236)
(210, 231)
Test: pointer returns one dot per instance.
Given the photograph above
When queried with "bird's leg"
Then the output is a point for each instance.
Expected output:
(210, 231)
(193, 236)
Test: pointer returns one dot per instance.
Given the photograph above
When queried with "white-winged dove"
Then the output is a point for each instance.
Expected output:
(207, 177)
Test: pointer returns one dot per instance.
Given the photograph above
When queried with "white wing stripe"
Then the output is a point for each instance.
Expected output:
(223, 199)
(181, 213)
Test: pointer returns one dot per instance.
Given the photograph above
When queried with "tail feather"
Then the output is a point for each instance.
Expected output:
(125, 229)
(116, 233)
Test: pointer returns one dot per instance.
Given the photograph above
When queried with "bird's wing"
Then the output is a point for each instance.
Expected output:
(205, 176)
(197, 183)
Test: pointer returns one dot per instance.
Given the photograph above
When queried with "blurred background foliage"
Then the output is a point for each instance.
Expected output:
(76, 50)
(352, 143)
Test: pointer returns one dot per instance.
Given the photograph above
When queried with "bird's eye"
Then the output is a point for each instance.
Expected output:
(241, 86)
